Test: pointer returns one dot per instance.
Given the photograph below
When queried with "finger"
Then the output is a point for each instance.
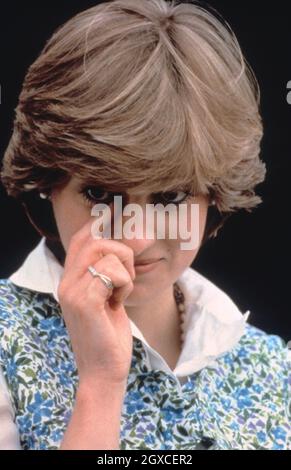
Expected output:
(123, 286)
(77, 241)
(112, 267)
(94, 250)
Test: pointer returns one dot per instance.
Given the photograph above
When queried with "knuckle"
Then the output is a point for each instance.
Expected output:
(130, 286)
(130, 253)
(124, 275)
(112, 258)
(128, 279)
(127, 290)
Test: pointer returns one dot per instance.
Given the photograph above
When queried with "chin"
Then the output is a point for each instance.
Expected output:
(137, 295)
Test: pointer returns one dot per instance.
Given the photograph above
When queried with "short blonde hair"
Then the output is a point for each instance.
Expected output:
(140, 93)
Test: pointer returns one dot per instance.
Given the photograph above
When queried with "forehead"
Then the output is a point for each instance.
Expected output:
(137, 192)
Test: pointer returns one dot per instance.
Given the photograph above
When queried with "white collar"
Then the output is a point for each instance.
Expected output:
(213, 323)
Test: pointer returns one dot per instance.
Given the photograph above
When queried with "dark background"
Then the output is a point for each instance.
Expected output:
(250, 258)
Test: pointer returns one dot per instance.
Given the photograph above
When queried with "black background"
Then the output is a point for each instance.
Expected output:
(250, 258)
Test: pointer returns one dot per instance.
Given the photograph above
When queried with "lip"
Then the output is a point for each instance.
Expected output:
(147, 261)
(146, 266)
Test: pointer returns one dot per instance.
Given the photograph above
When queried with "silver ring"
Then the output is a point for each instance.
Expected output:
(105, 279)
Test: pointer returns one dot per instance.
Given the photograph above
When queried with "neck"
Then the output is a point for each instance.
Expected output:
(159, 321)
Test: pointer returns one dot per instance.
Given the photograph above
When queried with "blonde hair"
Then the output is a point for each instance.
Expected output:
(140, 93)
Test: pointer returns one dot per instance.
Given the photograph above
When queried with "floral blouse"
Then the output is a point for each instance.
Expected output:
(238, 400)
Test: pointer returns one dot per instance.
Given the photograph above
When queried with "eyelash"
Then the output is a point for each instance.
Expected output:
(90, 200)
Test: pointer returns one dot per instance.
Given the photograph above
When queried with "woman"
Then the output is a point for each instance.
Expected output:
(111, 343)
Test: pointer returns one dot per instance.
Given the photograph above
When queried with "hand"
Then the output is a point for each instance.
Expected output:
(95, 317)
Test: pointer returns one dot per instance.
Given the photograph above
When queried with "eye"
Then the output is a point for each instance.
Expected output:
(94, 195)
(173, 197)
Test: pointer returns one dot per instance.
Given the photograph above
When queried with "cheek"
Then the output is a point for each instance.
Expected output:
(179, 259)
(192, 222)
(196, 220)
(190, 233)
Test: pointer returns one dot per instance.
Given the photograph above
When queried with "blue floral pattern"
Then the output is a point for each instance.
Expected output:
(241, 401)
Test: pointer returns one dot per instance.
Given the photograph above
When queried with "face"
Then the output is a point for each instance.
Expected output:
(72, 208)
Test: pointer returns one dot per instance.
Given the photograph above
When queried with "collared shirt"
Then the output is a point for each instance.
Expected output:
(213, 323)
(213, 326)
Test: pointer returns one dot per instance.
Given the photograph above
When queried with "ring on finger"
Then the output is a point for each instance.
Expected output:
(105, 279)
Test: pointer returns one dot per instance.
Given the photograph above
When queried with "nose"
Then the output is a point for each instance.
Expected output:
(138, 230)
